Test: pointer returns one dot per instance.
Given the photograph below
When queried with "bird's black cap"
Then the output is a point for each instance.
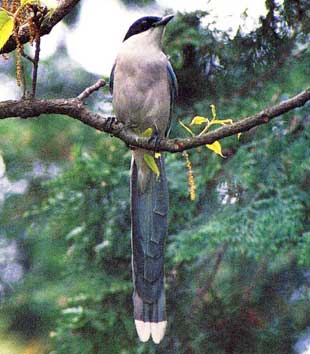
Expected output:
(145, 23)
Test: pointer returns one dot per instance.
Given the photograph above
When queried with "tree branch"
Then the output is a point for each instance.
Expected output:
(74, 108)
(60, 12)
(201, 291)
(36, 66)
(28, 57)
(89, 90)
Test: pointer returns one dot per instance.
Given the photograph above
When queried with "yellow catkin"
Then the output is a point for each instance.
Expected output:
(15, 4)
(19, 69)
(190, 177)
(32, 30)
(20, 17)
(5, 4)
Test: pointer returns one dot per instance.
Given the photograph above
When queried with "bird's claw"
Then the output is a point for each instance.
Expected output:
(156, 139)
(109, 122)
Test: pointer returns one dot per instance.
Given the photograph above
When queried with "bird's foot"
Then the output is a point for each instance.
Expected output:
(156, 139)
(109, 122)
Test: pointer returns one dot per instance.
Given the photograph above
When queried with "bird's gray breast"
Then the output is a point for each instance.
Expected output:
(141, 96)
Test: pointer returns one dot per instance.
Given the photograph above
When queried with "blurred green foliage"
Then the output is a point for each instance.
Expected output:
(237, 258)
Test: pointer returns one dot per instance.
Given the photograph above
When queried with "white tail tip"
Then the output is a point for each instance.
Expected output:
(143, 330)
(158, 331)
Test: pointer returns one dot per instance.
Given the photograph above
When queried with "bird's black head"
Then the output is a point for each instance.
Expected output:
(145, 23)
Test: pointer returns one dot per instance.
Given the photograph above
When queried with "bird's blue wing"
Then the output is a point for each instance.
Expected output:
(112, 79)
(173, 85)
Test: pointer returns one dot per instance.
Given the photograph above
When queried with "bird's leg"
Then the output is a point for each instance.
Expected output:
(156, 139)
(109, 122)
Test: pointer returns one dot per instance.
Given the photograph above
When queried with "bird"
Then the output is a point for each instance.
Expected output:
(144, 88)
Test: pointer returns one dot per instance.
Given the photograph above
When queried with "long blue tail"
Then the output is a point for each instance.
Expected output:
(149, 212)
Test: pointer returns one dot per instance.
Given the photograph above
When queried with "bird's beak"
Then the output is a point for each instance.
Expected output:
(164, 21)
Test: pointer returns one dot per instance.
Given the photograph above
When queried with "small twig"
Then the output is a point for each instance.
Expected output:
(246, 297)
(36, 65)
(28, 57)
(244, 303)
(89, 90)
(24, 83)
(202, 291)
(39, 14)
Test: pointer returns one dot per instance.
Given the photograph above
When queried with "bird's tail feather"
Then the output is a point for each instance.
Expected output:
(150, 319)
(149, 211)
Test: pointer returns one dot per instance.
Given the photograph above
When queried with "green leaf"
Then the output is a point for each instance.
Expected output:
(216, 147)
(147, 133)
(214, 122)
(199, 120)
(150, 161)
(6, 27)
(186, 128)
